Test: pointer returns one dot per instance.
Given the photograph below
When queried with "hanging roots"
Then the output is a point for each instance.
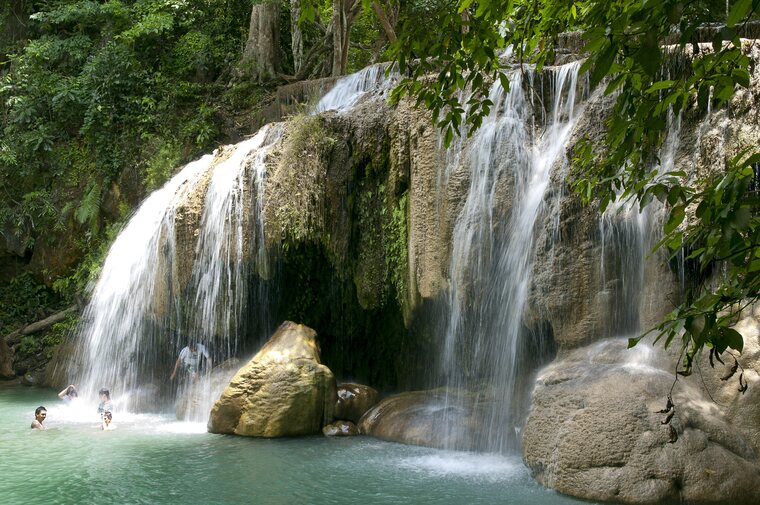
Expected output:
(670, 410)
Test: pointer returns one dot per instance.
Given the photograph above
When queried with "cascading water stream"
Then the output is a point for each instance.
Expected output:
(230, 245)
(348, 90)
(490, 265)
(138, 319)
(628, 236)
(122, 323)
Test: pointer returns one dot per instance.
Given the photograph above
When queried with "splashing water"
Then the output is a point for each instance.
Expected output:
(121, 323)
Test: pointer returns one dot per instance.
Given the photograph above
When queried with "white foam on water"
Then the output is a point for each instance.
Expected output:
(489, 467)
(182, 428)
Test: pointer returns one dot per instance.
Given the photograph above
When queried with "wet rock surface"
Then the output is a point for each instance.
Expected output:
(354, 400)
(340, 429)
(595, 432)
(427, 418)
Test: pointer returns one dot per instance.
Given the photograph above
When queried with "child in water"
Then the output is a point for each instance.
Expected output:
(106, 424)
(40, 414)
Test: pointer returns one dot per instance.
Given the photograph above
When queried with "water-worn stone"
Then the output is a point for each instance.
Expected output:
(284, 390)
(340, 429)
(427, 418)
(594, 432)
(354, 400)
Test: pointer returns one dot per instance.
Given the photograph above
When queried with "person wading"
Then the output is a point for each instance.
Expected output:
(190, 360)
(40, 414)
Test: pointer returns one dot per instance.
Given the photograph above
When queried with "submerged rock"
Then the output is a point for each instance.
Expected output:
(595, 432)
(340, 429)
(354, 400)
(284, 390)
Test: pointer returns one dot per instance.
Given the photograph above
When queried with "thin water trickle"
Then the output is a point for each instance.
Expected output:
(628, 236)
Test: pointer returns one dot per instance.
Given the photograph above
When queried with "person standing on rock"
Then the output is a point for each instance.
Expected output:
(40, 414)
(190, 359)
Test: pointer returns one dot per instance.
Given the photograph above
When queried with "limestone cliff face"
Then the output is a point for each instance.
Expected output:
(595, 431)
(592, 430)
(364, 186)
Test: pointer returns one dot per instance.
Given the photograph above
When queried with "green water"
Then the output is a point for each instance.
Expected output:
(151, 459)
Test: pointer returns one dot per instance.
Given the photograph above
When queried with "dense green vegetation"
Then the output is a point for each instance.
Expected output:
(101, 102)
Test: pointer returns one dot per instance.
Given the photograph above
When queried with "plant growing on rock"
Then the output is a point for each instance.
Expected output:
(626, 45)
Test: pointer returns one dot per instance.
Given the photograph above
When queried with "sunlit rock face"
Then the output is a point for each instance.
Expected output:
(283, 391)
(595, 431)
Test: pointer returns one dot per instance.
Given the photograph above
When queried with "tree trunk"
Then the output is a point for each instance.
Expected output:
(15, 337)
(262, 47)
(344, 12)
(15, 23)
(296, 35)
(387, 20)
(339, 34)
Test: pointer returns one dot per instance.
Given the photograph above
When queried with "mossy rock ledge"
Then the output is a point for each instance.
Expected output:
(282, 391)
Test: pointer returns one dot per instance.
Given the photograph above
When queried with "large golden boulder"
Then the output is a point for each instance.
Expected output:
(283, 391)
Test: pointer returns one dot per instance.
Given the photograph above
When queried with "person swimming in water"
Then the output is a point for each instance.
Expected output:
(68, 394)
(106, 423)
(105, 401)
(40, 413)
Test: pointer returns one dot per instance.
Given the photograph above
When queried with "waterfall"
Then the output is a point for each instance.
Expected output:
(230, 242)
(490, 268)
(122, 324)
(348, 90)
(628, 236)
(154, 295)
